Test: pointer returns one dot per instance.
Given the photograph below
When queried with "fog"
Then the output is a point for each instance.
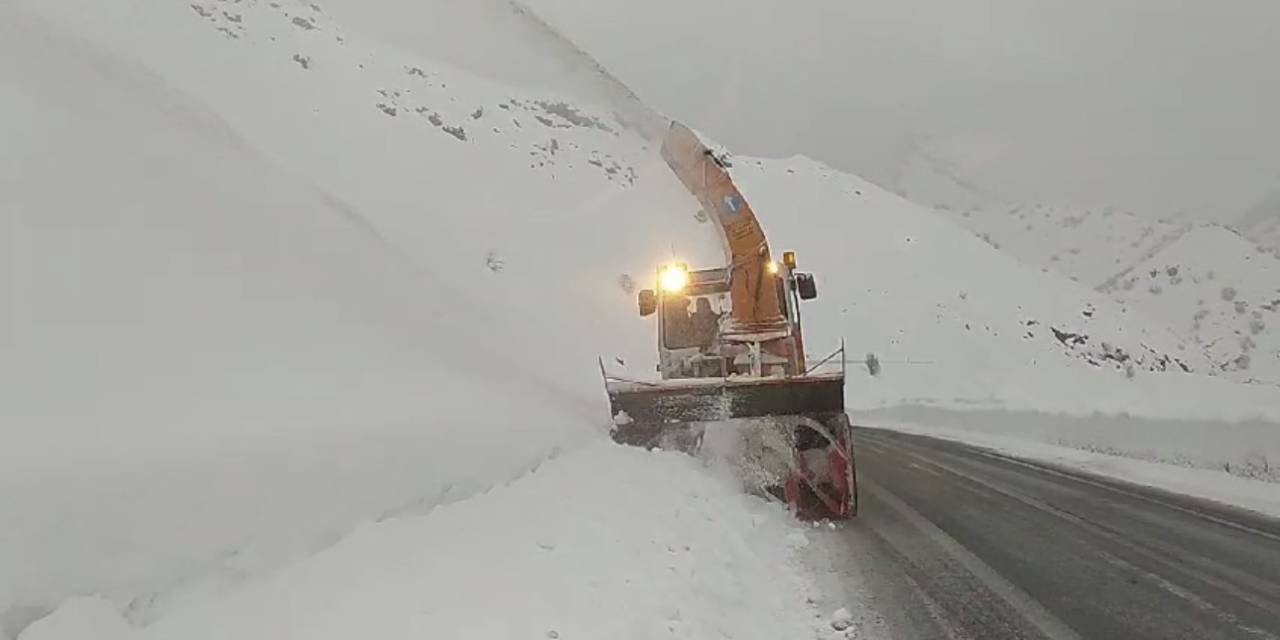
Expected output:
(1161, 106)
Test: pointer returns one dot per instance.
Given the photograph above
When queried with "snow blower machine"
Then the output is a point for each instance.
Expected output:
(732, 363)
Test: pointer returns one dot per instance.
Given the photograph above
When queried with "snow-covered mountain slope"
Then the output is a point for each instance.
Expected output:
(1090, 246)
(956, 322)
(268, 279)
(167, 276)
(1211, 284)
(1038, 100)
(405, 142)
(1226, 292)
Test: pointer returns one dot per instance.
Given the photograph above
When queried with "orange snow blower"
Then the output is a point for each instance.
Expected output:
(731, 352)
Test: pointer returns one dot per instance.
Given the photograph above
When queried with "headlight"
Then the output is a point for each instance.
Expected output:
(771, 267)
(674, 278)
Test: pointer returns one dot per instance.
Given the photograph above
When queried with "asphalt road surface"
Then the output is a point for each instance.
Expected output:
(959, 542)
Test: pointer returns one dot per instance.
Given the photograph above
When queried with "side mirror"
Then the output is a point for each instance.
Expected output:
(648, 302)
(806, 287)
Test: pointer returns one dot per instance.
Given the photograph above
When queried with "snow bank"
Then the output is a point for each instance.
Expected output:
(602, 542)
(1249, 449)
(218, 365)
(155, 529)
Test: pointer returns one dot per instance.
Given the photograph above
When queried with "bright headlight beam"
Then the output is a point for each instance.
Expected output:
(673, 279)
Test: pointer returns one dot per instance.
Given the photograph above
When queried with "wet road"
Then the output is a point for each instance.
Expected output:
(960, 542)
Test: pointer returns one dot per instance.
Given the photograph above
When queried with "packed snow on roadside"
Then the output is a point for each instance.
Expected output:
(1246, 449)
(1249, 493)
(603, 542)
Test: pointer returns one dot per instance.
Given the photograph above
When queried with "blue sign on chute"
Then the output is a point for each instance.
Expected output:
(732, 203)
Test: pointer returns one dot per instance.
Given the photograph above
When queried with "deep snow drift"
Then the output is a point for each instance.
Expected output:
(210, 355)
(603, 542)
(1175, 457)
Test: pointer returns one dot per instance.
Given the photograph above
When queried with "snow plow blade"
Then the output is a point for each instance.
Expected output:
(641, 407)
(793, 431)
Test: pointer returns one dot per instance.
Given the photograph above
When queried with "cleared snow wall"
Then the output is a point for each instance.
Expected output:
(1249, 449)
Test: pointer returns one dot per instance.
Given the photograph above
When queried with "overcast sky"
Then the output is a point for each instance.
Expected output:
(1162, 106)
